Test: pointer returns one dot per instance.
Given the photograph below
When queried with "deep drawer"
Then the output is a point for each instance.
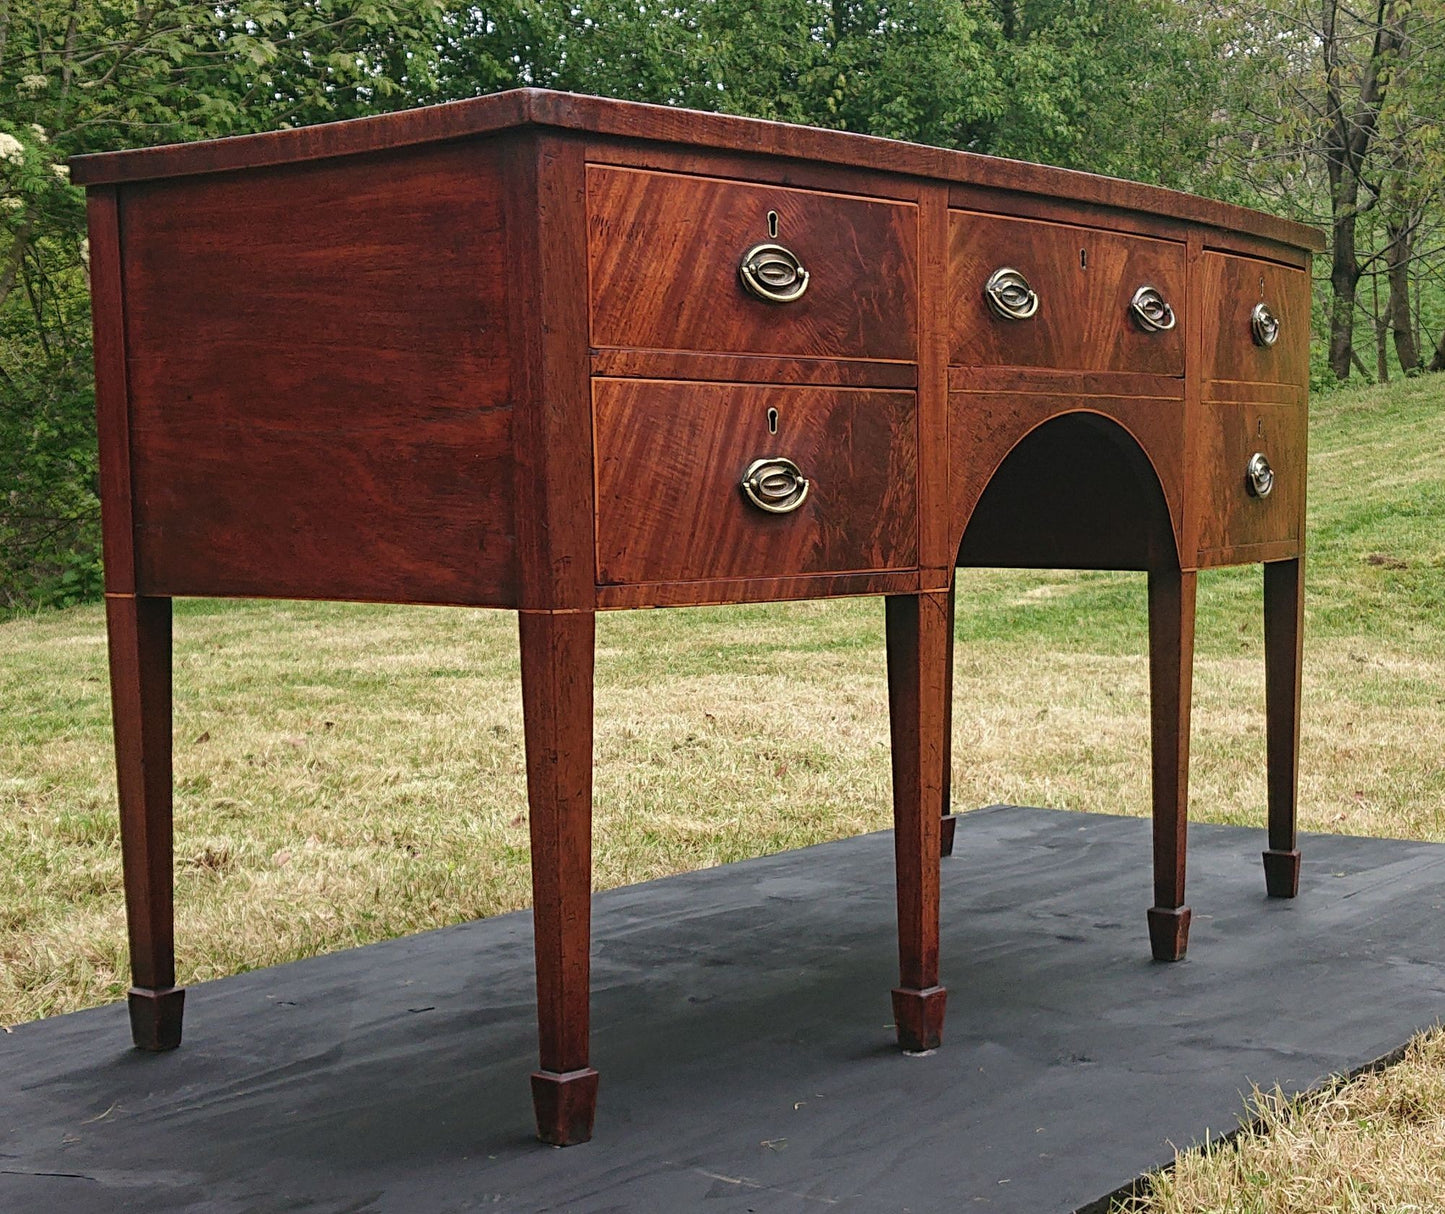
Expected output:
(1236, 347)
(1231, 514)
(671, 458)
(665, 251)
(1083, 283)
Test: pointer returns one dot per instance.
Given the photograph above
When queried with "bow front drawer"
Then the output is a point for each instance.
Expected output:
(698, 481)
(1026, 293)
(1251, 481)
(1256, 321)
(702, 264)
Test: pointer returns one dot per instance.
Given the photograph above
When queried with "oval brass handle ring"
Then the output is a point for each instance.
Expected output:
(1009, 294)
(775, 484)
(1151, 310)
(773, 274)
(1259, 476)
(1264, 325)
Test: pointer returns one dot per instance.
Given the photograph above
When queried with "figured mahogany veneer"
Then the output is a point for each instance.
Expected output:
(668, 461)
(1085, 280)
(1230, 287)
(663, 251)
(507, 353)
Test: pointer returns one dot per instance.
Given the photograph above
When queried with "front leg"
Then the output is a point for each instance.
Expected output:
(950, 819)
(139, 633)
(1284, 606)
(557, 661)
(917, 629)
(1171, 677)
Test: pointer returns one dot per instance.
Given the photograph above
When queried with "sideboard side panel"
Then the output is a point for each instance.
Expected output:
(320, 392)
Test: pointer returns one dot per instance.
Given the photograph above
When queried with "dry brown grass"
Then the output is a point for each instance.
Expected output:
(1374, 1145)
(349, 773)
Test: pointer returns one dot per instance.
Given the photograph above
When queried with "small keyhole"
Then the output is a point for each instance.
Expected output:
(772, 421)
(772, 225)
(1259, 429)
(1083, 259)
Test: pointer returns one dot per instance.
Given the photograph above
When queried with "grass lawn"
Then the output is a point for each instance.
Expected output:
(349, 773)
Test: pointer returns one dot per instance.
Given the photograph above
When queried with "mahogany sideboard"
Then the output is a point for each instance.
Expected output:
(561, 354)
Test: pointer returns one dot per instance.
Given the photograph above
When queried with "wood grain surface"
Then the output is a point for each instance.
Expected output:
(669, 124)
(1231, 288)
(664, 251)
(319, 387)
(671, 456)
(1094, 482)
(1084, 280)
(1228, 516)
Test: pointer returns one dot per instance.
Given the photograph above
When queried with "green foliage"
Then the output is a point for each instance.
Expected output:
(1124, 86)
(92, 75)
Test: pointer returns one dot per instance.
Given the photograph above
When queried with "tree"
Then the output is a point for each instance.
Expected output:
(89, 75)
(1336, 120)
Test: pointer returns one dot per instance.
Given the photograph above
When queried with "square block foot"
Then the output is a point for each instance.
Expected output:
(945, 836)
(155, 1017)
(1281, 873)
(919, 1017)
(1169, 932)
(565, 1103)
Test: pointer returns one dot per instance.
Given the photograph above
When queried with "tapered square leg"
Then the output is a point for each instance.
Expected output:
(139, 633)
(950, 819)
(557, 650)
(1284, 605)
(1171, 674)
(565, 1105)
(918, 632)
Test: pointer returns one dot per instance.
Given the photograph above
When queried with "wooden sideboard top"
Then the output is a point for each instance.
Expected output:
(603, 116)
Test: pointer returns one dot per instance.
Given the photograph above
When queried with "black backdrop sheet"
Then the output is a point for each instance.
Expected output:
(741, 1027)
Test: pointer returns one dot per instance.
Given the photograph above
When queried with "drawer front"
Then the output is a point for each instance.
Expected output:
(671, 457)
(1230, 515)
(1233, 288)
(665, 252)
(1083, 283)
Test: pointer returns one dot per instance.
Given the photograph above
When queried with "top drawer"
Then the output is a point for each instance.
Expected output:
(1083, 283)
(1236, 347)
(664, 251)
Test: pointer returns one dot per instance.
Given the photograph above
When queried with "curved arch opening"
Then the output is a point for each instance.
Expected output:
(1077, 492)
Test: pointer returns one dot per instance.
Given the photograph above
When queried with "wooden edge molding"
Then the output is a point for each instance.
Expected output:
(541, 107)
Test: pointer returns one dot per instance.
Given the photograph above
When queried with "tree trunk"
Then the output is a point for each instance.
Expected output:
(1344, 281)
(1350, 130)
(1381, 323)
(1398, 254)
(1438, 362)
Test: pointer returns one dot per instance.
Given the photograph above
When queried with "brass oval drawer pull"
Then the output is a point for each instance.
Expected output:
(773, 274)
(1264, 325)
(1009, 294)
(1152, 310)
(1259, 476)
(775, 484)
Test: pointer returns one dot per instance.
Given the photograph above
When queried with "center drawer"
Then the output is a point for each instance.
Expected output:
(833, 275)
(1064, 297)
(671, 458)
